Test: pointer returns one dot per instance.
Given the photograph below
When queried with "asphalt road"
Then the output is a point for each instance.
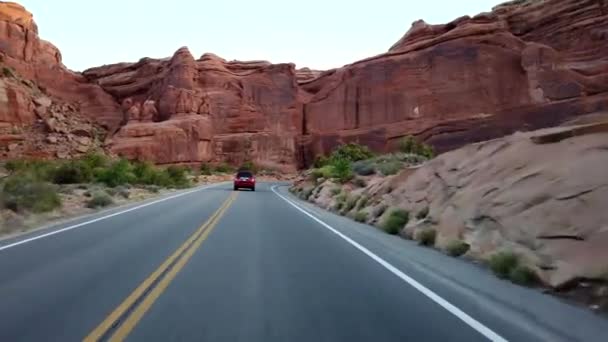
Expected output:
(216, 265)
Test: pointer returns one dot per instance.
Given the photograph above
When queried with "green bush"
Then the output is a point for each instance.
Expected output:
(395, 221)
(205, 170)
(224, 168)
(118, 173)
(23, 192)
(95, 160)
(423, 213)
(100, 199)
(364, 167)
(503, 263)
(523, 275)
(389, 168)
(42, 170)
(360, 182)
(73, 172)
(410, 145)
(248, 166)
(361, 216)
(426, 237)
(352, 152)
(320, 161)
(341, 170)
(178, 176)
(457, 248)
(316, 174)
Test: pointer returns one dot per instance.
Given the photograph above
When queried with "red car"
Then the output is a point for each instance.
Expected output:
(244, 179)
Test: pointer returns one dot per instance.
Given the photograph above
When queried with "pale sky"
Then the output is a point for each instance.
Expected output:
(320, 34)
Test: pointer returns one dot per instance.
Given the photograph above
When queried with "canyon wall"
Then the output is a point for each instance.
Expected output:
(523, 66)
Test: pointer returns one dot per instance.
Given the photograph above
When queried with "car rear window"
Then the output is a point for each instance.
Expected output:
(244, 174)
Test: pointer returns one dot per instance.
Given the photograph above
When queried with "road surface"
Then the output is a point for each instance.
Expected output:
(211, 264)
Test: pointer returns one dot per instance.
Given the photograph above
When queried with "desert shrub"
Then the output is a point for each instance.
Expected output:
(338, 206)
(423, 213)
(99, 199)
(360, 182)
(118, 173)
(410, 145)
(362, 202)
(350, 203)
(316, 174)
(395, 221)
(364, 167)
(389, 168)
(320, 161)
(7, 72)
(23, 192)
(223, 168)
(95, 160)
(123, 192)
(341, 170)
(42, 170)
(152, 188)
(457, 248)
(361, 216)
(502, 263)
(352, 152)
(248, 166)
(146, 173)
(340, 202)
(426, 237)
(178, 176)
(205, 170)
(73, 172)
(335, 190)
(523, 275)
(305, 194)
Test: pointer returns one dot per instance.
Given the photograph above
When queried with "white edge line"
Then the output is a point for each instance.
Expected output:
(14, 244)
(473, 323)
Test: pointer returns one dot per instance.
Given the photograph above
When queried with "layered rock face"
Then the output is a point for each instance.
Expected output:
(37, 60)
(525, 65)
(187, 110)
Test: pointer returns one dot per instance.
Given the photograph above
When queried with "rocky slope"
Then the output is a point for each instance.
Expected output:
(525, 65)
(541, 195)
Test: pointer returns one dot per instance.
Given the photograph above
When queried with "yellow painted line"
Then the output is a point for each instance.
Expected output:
(185, 251)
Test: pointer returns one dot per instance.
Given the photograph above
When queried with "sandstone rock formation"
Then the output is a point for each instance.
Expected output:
(39, 61)
(184, 110)
(526, 65)
(523, 66)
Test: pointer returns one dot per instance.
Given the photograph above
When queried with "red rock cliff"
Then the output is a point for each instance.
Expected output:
(187, 110)
(525, 65)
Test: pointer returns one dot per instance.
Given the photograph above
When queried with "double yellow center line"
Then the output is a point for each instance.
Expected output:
(125, 317)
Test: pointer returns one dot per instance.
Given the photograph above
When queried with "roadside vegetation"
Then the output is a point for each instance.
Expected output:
(33, 187)
(357, 182)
